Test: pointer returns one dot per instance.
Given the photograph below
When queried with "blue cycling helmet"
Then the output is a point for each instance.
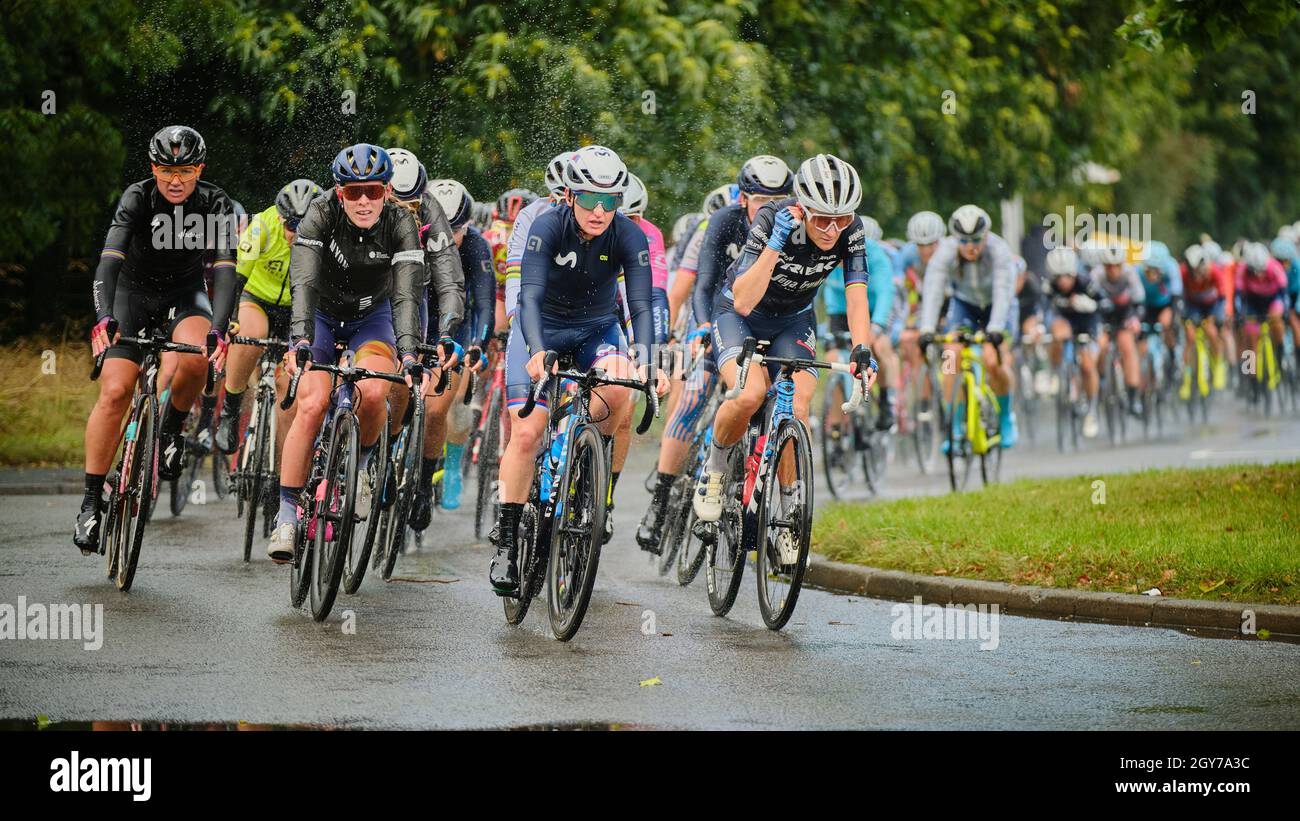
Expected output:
(362, 162)
(1283, 249)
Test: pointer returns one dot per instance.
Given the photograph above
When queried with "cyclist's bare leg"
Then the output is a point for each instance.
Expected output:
(1091, 379)
(518, 460)
(805, 385)
(241, 360)
(999, 376)
(734, 414)
(116, 388)
(370, 408)
(436, 408)
(619, 400)
(311, 403)
(191, 368)
(1061, 331)
(1126, 343)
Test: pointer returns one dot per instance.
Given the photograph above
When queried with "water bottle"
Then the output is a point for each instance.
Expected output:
(752, 463)
(553, 462)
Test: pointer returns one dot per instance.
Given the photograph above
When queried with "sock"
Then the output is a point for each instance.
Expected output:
(233, 401)
(510, 514)
(453, 457)
(94, 490)
(206, 407)
(173, 419)
(366, 452)
(663, 486)
(1004, 406)
(288, 505)
(427, 468)
(719, 456)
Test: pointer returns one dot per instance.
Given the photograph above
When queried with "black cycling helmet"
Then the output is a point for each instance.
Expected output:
(512, 202)
(177, 145)
(293, 199)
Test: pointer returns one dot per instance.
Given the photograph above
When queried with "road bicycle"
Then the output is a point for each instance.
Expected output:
(1114, 406)
(257, 473)
(767, 495)
(484, 449)
(563, 523)
(846, 438)
(1071, 397)
(134, 479)
(971, 424)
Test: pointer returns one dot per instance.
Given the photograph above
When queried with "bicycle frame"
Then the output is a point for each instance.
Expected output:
(971, 373)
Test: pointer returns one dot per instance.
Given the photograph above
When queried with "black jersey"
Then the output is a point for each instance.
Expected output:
(724, 238)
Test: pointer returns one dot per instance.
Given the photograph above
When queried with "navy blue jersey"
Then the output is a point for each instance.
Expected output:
(723, 240)
(480, 285)
(802, 266)
(575, 281)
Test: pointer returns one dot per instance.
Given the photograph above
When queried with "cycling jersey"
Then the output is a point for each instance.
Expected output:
(1271, 283)
(1167, 286)
(442, 269)
(159, 247)
(1202, 290)
(566, 278)
(690, 258)
(349, 271)
(1060, 302)
(880, 296)
(801, 266)
(1125, 290)
(263, 259)
(497, 236)
(676, 253)
(725, 233)
(515, 247)
(480, 288)
(988, 283)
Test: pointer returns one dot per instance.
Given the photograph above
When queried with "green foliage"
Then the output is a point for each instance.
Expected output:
(937, 102)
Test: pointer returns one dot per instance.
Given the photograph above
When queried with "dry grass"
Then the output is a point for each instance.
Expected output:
(45, 396)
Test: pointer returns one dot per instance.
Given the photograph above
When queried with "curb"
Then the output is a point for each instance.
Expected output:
(1282, 622)
(43, 489)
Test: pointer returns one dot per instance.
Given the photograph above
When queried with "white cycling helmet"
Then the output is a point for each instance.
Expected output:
(684, 222)
(720, 198)
(635, 197)
(871, 228)
(1062, 262)
(825, 184)
(765, 175)
(1288, 232)
(597, 169)
(1113, 255)
(555, 173)
(925, 227)
(1195, 255)
(1256, 256)
(969, 221)
(409, 176)
(455, 201)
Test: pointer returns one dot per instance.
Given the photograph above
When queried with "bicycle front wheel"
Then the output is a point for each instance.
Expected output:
(251, 478)
(334, 522)
(577, 531)
(141, 465)
(785, 519)
(375, 476)
(725, 564)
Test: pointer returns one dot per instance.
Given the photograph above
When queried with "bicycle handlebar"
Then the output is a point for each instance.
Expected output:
(345, 372)
(595, 377)
(749, 355)
(158, 343)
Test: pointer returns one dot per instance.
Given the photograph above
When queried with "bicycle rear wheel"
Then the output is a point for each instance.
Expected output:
(836, 442)
(134, 509)
(337, 508)
(485, 508)
(960, 456)
(516, 607)
(725, 562)
(300, 571)
(785, 522)
(251, 477)
(577, 531)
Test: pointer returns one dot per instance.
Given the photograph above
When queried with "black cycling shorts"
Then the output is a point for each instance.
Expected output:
(140, 311)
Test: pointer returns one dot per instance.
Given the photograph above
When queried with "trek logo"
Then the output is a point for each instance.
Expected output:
(570, 259)
(129, 775)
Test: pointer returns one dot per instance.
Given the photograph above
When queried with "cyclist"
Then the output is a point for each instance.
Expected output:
(480, 302)
(1205, 305)
(263, 269)
(151, 278)
(1119, 294)
(1284, 251)
(1262, 284)
(1073, 313)
(881, 300)
(762, 179)
(685, 272)
(567, 304)
(925, 229)
(793, 245)
(504, 214)
(356, 271)
(979, 264)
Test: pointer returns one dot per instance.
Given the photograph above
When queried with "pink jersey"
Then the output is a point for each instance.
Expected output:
(1270, 283)
(658, 259)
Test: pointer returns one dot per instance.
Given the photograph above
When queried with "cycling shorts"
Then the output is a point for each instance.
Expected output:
(588, 344)
(370, 335)
(793, 336)
(141, 311)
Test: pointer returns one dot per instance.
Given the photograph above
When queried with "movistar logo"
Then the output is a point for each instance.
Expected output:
(570, 259)
(438, 243)
(733, 251)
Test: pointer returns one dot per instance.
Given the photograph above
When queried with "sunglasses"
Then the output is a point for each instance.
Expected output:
(589, 200)
(763, 199)
(184, 172)
(369, 190)
(292, 225)
(825, 222)
(970, 240)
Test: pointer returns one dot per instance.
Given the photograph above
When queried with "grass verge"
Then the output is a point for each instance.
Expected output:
(45, 398)
(1215, 533)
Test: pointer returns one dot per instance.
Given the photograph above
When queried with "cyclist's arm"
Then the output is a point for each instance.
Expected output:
(634, 251)
(129, 208)
(224, 281)
(1004, 285)
(756, 263)
(483, 282)
(443, 259)
(534, 272)
(936, 277)
(659, 282)
(515, 246)
(856, 288)
(408, 280)
(306, 256)
(712, 264)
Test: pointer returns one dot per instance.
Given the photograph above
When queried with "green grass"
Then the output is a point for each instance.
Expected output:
(43, 415)
(1220, 533)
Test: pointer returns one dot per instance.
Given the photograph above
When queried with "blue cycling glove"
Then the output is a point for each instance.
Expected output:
(785, 223)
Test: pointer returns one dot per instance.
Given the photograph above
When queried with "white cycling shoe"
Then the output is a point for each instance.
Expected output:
(1090, 426)
(280, 548)
(707, 501)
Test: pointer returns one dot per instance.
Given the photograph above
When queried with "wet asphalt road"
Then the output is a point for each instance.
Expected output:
(202, 637)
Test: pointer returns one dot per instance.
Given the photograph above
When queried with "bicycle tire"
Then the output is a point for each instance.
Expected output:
(410, 464)
(776, 612)
(251, 480)
(358, 555)
(485, 508)
(300, 568)
(139, 497)
(837, 461)
(586, 477)
(727, 541)
(516, 607)
(341, 485)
